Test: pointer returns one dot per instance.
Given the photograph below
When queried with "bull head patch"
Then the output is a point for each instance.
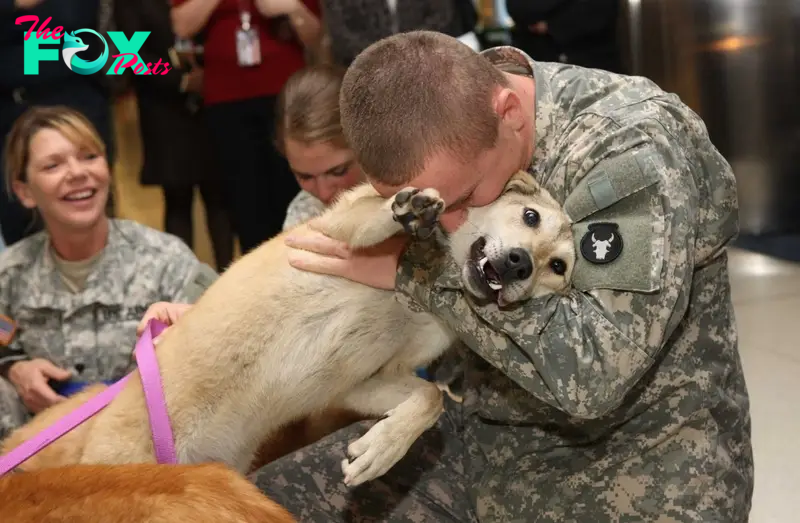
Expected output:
(602, 243)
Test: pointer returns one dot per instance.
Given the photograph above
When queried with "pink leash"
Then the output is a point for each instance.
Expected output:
(160, 427)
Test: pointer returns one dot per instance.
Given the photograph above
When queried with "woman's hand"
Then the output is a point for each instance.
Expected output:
(30, 379)
(374, 266)
(164, 312)
(26, 4)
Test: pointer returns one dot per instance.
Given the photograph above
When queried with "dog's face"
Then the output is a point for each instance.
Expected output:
(516, 248)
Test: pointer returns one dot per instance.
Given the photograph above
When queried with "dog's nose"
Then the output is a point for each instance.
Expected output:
(517, 265)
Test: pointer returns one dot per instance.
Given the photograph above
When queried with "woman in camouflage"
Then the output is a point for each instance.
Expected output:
(309, 134)
(72, 295)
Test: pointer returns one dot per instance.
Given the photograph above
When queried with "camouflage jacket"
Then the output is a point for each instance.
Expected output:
(302, 208)
(643, 348)
(94, 330)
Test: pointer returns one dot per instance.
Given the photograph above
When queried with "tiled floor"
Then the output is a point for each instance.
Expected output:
(766, 292)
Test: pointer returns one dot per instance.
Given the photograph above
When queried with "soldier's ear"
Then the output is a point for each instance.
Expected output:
(523, 183)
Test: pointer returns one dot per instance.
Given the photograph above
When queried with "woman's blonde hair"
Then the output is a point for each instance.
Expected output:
(308, 107)
(69, 122)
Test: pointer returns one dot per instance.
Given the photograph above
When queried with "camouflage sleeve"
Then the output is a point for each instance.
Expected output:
(186, 278)
(582, 353)
(11, 349)
(302, 208)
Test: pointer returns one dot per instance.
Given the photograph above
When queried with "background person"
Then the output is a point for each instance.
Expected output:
(177, 149)
(577, 32)
(71, 296)
(240, 97)
(353, 25)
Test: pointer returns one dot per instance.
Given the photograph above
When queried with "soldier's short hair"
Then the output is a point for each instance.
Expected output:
(413, 94)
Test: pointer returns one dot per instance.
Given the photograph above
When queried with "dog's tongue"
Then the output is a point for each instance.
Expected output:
(492, 278)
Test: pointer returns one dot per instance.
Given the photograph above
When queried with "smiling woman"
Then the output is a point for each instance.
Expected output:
(72, 295)
(56, 165)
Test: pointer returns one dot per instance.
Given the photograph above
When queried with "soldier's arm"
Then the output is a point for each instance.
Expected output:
(584, 352)
(185, 278)
(11, 350)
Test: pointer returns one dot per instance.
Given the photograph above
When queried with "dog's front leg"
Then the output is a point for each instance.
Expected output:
(362, 218)
(409, 406)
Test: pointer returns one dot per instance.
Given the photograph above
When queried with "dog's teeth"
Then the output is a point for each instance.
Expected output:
(483, 262)
(495, 286)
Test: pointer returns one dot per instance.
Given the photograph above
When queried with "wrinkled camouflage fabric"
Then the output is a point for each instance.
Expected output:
(94, 330)
(302, 208)
(624, 401)
(430, 483)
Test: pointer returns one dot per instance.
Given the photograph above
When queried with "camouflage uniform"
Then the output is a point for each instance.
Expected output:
(624, 401)
(94, 330)
(302, 208)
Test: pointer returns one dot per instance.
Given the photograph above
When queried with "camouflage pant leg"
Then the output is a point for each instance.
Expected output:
(428, 484)
(13, 413)
(675, 481)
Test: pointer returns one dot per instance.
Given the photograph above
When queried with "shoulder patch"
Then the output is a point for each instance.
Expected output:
(602, 243)
(8, 328)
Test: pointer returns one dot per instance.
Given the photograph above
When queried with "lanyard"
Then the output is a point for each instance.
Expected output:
(244, 13)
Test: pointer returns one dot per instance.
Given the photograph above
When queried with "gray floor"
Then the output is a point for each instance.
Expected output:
(766, 295)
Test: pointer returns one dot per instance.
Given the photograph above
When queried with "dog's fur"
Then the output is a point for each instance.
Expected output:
(268, 344)
(136, 493)
(69, 447)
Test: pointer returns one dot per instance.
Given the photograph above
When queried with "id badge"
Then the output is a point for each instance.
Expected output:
(248, 47)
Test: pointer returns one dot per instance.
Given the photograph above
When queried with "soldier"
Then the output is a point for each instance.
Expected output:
(72, 295)
(622, 401)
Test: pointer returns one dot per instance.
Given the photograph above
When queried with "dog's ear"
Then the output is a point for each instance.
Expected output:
(523, 183)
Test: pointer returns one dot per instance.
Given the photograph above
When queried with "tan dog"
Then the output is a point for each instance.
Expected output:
(141, 493)
(268, 344)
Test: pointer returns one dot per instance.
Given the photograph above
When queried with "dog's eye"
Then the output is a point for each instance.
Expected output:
(530, 217)
(558, 266)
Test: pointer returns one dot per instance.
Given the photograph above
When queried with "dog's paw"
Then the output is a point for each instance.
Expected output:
(417, 211)
(377, 451)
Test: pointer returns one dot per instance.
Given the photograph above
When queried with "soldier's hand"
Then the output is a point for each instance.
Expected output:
(164, 312)
(30, 379)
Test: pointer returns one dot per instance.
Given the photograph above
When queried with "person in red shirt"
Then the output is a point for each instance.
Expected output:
(251, 47)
